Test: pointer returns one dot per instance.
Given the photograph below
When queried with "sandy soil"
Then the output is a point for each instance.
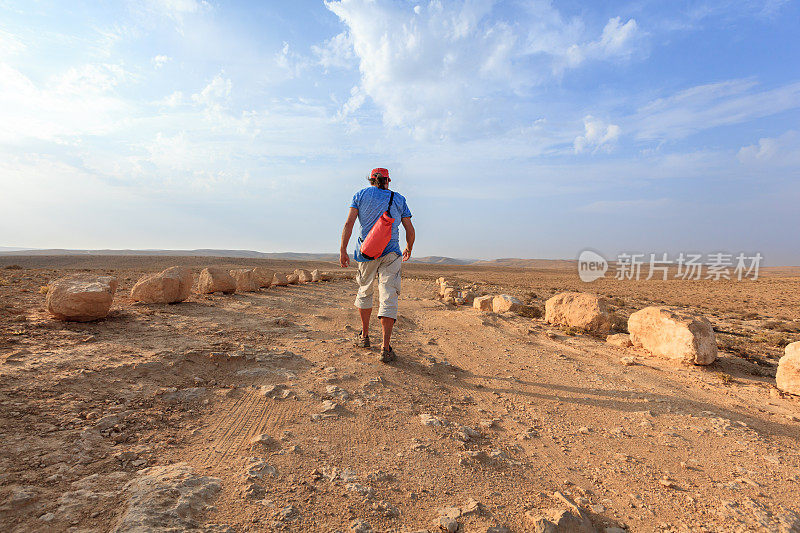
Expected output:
(650, 447)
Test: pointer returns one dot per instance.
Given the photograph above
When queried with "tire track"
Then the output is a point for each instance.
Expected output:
(249, 416)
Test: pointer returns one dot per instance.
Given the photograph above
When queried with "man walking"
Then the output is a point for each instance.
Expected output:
(368, 205)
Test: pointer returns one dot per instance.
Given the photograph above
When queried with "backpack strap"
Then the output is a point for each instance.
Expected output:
(388, 207)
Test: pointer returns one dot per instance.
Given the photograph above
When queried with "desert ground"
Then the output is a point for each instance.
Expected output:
(255, 412)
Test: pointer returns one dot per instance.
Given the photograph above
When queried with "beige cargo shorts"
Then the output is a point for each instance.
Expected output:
(387, 269)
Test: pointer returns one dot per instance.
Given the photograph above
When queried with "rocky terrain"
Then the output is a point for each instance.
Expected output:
(252, 411)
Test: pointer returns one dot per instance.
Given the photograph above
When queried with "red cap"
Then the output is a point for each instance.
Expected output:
(380, 172)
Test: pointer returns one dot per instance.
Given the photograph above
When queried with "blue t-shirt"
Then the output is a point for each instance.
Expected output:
(371, 203)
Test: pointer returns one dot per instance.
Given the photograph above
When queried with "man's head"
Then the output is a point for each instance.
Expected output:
(379, 177)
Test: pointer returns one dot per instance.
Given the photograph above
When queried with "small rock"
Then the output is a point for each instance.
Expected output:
(261, 440)
(359, 526)
(488, 423)
(259, 469)
(254, 492)
(329, 406)
(446, 524)
(667, 482)
(386, 509)
(272, 391)
(472, 506)
(530, 433)
(287, 512)
(358, 488)
(430, 420)
(449, 512)
(623, 340)
(466, 434)
(339, 392)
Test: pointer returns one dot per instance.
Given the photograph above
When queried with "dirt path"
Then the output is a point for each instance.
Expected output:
(551, 414)
(487, 413)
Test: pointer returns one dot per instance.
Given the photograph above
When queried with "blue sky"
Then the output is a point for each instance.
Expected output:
(515, 129)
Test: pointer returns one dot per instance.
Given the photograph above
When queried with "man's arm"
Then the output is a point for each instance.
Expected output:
(410, 236)
(344, 259)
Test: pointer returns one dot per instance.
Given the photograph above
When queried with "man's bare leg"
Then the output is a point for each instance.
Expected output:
(365, 314)
(387, 324)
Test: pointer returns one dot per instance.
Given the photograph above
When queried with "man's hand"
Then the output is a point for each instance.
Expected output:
(352, 215)
(410, 236)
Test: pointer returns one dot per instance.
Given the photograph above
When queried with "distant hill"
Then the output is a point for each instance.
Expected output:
(291, 256)
(439, 260)
(515, 262)
(250, 254)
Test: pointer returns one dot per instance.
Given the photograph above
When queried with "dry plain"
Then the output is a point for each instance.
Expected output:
(89, 410)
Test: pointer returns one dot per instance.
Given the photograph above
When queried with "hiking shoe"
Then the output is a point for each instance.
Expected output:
(387, 355)
(361, 341)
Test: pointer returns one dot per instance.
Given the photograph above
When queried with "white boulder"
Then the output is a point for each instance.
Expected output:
(674, 334)
(503, 303)
(483, 303)
(788, 376)
(245, 279)
(581, 310)
(166, 498)
(169, 286)
(81, 299)
(215, 279)
(303, 276)
(279, 280)
(263, 276)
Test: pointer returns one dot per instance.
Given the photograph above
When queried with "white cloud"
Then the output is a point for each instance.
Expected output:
(356, 100)
(175, 14)
(444, 69)
(77, 102)
(161, 60)
(10, 45)
(707, 12)
(92, 79)
(336, 52)
(294, 64)
(709, 106)
(782, 151)
(616, 41)
(173, 100)
(216, 94)
(598, 136)
(177, 8)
